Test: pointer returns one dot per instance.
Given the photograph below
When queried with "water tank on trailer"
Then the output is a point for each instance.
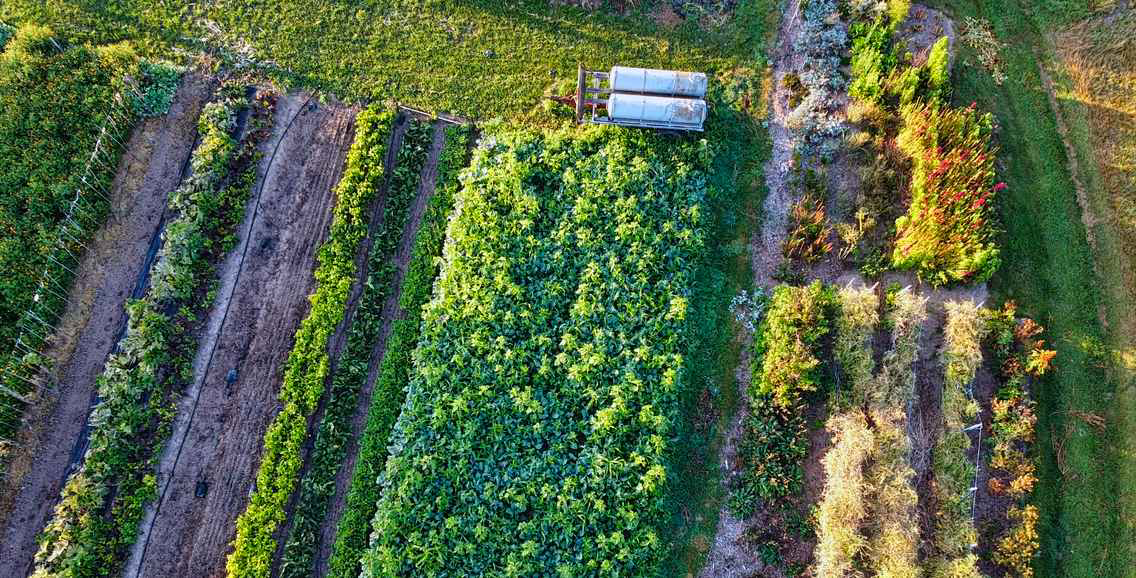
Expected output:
(681, 112)
(652, 81)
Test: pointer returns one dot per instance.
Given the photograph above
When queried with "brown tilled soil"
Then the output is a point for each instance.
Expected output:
(264, 287)
(391, 312)
(108, 274)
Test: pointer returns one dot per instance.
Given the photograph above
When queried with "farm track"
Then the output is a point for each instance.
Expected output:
(730, 556)
(269, 279)
(113, 269)
(375, 222)
(391, 311)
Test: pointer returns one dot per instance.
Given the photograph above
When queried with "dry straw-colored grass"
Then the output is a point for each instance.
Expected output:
(962, 354)
(893, 534)
(1098, 56)
(842, 509)
(895, 384)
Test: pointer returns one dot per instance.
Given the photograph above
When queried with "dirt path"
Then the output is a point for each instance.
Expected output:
(151, 167)
(729, 555)
(218, 447)
(377, 212)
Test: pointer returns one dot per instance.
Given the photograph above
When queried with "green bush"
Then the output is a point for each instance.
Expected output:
(788, 347)
(390, 386)
(535, 433)
(308, 363)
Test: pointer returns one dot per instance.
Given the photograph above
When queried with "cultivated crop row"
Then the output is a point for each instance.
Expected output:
(64, 114)
(97, 518)
(947, 233)
(865, 520)
(334, 432)
(390, 386)
(309, 362)
(535, 430)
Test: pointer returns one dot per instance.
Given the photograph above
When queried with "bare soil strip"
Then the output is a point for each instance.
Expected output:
(190, 535)
(391, 311)
(151, 167)
(339, 339)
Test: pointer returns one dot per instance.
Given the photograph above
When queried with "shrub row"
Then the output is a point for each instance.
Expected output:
(97, 519)
(535, 432)
(948, 233)
(954, 472)
(1021, 357)
(64, 113)
(309, 361)
(334, 433)
(390, 386)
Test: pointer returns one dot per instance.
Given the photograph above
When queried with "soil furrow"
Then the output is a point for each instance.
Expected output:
(209, 485)
(151, 167)
(391, 311)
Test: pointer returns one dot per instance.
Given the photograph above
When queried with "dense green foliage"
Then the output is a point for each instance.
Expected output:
(97, 519)
(786, 369)
(55, 103)
(334, 432)
(309, 361)
(390, 385)
(536, 427)
(788, 348)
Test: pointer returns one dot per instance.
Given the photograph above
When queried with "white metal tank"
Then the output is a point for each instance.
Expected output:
(686, 112)
(652, 81)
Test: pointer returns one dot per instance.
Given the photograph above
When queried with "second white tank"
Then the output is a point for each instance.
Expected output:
(657, 109)
(653, 81)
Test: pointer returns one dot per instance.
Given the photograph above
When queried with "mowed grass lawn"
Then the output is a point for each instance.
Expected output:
(1048, 269)
(479, 58)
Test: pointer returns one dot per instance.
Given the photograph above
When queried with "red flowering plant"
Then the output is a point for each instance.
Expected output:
(947, 235)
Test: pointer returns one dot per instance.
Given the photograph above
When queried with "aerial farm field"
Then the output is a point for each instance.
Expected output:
(343, 289)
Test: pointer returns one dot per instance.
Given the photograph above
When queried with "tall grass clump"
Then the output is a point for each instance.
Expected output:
(855, 326)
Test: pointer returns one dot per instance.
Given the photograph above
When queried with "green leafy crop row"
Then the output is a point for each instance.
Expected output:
(537, 422)
(309, 361)
(787, 368)
(390, 386)
(334, 433)
(98, 516)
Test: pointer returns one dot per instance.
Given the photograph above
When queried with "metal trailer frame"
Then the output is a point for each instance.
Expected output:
(591, 96)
